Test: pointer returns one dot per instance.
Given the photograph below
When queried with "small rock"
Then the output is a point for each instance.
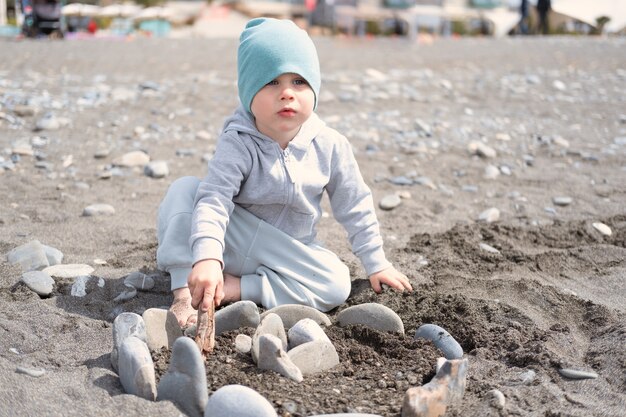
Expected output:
(373, 315)
(401, 180)
(490, 215)
(34, 372)
(243, 343)
(576, 374)
(390, 202)
(31, 256)
(39, 282)
(559, 85)
(272, 357)
(496, 399)
(139, 280)
(238, 401)
(442, 340)
(559, 141)
(136, 369)
(132, 159)
(562, 201)
(272, 325)
(128, 294)
(185, 382)
(235, 316)
(68, 270)
(491, 172)
(204, 135)
(124, 326)
(55, 256)
(488, 248)
(602, 228)
(306, 330)
(482, 150)
(162, 328)
(157, 169)
(98, 210)
(290, 314)
(48, 122)
(102, 153)
(85, 284)
(313, 357)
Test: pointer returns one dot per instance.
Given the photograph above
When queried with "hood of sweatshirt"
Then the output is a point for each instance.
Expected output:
(242, 121)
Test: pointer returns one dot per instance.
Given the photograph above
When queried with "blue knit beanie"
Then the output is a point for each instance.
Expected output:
(269, 48)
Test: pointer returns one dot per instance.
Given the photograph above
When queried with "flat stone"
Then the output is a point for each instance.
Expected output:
(162, 328)
(293, 313)
(139, 280)
(68, 270)
(85, 284)
(602, 228)
(482, 150)
(98, 210)
(129, 293)
(577, 374)
(442, 340)
(313, 357)
(243, 343)
(273, 357)
(488, 248)
(562, 201)
(136, 369)
(271, 324)
(157, 169)
(55, 256)
(238, 401)
(33, 372)
(390, 202)
(39, 282)
(132, 159)
(185, 382)
(30, 256)
(304, 331)
(124, 326)
(372, 315)
(235, 316)
(490, 215)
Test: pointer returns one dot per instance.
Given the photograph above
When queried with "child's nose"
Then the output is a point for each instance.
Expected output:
(287, 93)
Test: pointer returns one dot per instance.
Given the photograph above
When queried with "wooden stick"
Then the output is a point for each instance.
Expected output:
(205, 330)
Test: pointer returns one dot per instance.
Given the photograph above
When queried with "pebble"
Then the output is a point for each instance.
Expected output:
(98, 210)
(162, 328)
(39, 282)
(132, 159)
(389, 202)
(482, 150)
(490, 215)
(243, 343)
(48, 122)
(401, 180)
(34, 372)
(602, 228)
(185, 382)
(139, 280)
(347, 415)
(124, 326)
(235, 316)
(491, 172)
(290, 314)
(157, 169)
(30, 256)
(496, 399)
(273, 357)
(306, 330)
(272, 325)
(313, 357)
(136, 369)
(577, 374)
(84, 284)
(562, 201)
(68, 270)
(488, 248)
(372, 315)
(102, 153)
(128, 294)
(442, 340)
(238, 401)
(55, 256)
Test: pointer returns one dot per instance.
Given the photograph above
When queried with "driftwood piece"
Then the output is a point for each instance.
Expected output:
(205, 330)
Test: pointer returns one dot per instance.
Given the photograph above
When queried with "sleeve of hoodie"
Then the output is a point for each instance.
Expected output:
(214, 199)
(353, 206)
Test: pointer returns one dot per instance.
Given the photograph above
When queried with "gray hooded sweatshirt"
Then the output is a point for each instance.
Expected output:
(284, 188)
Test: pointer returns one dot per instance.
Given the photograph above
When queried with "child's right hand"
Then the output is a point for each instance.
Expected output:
(206, 284)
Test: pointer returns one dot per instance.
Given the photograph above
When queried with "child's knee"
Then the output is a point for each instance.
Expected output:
(339, 286)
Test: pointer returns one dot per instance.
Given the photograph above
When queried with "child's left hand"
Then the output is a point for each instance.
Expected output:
(392, 277)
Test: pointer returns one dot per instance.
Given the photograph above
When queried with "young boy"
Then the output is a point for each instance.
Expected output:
(247, 231)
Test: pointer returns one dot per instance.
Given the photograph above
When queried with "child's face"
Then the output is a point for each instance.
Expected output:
(282, 106)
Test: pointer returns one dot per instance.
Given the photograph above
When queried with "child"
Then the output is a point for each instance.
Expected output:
(247, 231)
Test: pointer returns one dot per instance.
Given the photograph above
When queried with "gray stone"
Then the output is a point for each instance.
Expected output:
(139, 280)
(401, 180)
(55, 256)
(30, 256)
(98, 210)
(373, 315)
(68, 270)
(129, 293)
(562, 201)
(482, 150)
(313, 357)
(48, 122)
(33, 372)
(390, 202)
(162, 328)
(185, 382)
(602, 228)
(271, 324)
(85, 284)
(273, 357)
(577, 374)
(136, 369)
(491, 172)
(442, 340)
(238, 401)
(132, 159)
(490, 215)
(235, 316)
(496, 399)
(293, 313)
(488, 248)
(39, 282)
(306, 330)
(157, 169)
(243, 343)
(124, 326)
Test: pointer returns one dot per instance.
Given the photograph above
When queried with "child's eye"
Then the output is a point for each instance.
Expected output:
(300, 81)
(273, 82)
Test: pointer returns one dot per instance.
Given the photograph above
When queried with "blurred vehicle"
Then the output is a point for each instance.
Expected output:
(42, 18)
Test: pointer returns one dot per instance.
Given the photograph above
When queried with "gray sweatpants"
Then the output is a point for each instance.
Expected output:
(274, 268)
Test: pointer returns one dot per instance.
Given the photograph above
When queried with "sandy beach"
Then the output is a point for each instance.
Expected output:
(507, 155)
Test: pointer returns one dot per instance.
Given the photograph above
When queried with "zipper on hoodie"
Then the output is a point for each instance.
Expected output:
(289, 183)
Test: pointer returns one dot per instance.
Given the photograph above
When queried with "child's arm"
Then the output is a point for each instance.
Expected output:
(392, 277)
(206, 284)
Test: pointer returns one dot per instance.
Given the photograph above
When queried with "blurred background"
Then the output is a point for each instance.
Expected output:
(423, 20)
